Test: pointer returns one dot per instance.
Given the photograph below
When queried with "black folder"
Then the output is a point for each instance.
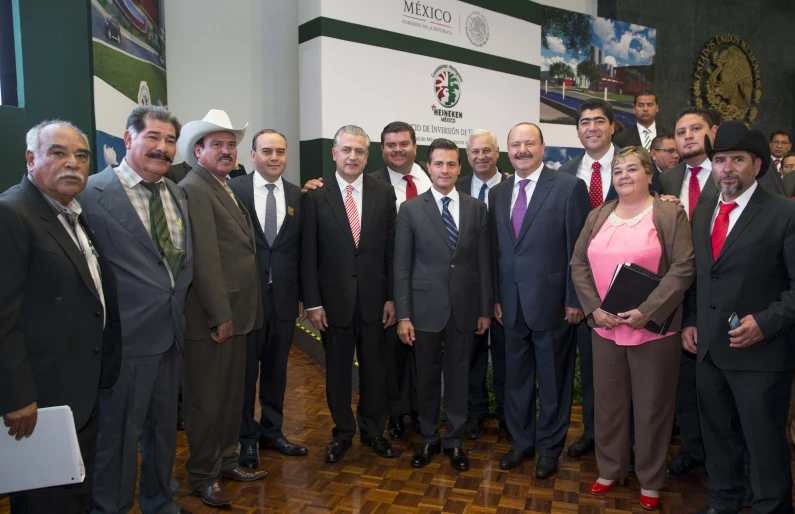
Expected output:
(630, 287)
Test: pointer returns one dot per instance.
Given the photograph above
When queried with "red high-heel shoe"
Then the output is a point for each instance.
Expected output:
(649, 502)
(598, 489)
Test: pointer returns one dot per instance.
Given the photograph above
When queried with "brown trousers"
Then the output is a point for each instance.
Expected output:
(644, 378)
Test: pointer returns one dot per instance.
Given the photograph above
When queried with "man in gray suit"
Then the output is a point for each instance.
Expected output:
(443, 292)
(140, 219)
(224, 305)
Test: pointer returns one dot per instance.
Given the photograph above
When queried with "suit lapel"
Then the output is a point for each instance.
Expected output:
(709, 192)
(464, 220)
(334, 199)
(542, 189)
(432, 211)
(751, 210)
(290, 201)
(225, 199)
(504, 204)
(247, 197)
(185, 219)
(368, 206)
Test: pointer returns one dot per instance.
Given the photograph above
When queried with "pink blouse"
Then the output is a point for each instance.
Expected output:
(617, 245)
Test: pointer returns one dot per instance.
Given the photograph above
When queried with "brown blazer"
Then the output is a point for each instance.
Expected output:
(225, 273)
(677, 266)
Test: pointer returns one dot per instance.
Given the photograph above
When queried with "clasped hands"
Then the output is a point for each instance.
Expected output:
(633, 319)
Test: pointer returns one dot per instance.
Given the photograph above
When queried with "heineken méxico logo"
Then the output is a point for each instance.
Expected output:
(447, 85)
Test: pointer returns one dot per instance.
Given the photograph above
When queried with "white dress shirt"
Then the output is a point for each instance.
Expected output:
(703, 176)
(586, 168)
(652, 130)
(356, 193)
(741, 201)
(454, 206)
(420, 179)
(477, 184)
(261, 197)
(531, 186)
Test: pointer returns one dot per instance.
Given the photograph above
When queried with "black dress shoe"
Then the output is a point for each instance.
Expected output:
(243, 475)
(214, 496)
(546, 467)
(504, 428)
(473, 428)
(249, 457)
(335, 450)
(458, 459)
(396, 427)
(580, 447)
(283, 446)
(415, 422)
(380, 446)
(513, 459)
(422, 457)
(682, 466)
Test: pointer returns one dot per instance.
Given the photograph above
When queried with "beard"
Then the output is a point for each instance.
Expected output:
(726, 190)
(692, 153)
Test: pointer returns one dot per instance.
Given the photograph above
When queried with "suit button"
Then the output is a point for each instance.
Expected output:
(515, 256)
(514, 282)
(356, 254)
(712, 307)
(353, 276)
(452, 265)
(96, 350)
(714, 277)
(98, 314)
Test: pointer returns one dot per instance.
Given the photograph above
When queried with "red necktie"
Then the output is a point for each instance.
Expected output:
(595, 191)
(411, 187)
(353, 214)
(778, 161)
(693, 192)
(721, 228)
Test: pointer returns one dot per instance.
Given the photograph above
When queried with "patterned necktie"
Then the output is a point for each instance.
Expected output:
(778, 163)
(595, 191)
(159, 231)
(519, 208)
(482, 194)
(694, 191)
(721, 228)
(269, 227)
(353, 215)
(411, 187)
(449, 222)
(646, 138)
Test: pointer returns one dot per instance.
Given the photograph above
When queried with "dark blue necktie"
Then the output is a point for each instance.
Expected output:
(482, 194)
(449, 222)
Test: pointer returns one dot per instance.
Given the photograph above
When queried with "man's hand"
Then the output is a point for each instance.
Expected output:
(747, 335)
(301, 312)
(22, 422)
(574, 315)
(483, 325)
(605, 320)
(318, 319)
(222, 332)
(690, 339)
(388, 319)
(670, 199)
(634, 319)
(313, 184)
(406, 332)
(498, 313)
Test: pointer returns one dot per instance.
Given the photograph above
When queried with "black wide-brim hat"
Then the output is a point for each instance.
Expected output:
(734, 135)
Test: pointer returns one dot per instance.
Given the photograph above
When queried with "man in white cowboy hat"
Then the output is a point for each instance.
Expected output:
(224, 304)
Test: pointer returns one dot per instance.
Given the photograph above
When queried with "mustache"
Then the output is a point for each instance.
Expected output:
(160, 155)
(70, 174)
(524, 155)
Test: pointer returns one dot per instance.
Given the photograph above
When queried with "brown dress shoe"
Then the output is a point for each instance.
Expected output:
(214, 496)
(243, 475)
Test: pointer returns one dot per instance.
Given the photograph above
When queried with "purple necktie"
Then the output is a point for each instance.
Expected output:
(519, 208)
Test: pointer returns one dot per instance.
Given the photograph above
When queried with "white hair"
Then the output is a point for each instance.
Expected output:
(352, 130)
(32, 137)
(483, 132)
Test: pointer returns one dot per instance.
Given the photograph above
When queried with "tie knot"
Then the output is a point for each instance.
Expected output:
(446, 200)
(270, 187)
(695, 169)
(151, 186)
(778, 161)
(596, 166)
(349, 189)
(70, 216)
(408, 178)
(523, 183)
(726, 208)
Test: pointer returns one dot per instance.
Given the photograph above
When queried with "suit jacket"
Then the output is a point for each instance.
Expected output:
(534, 268)
(178, 172)
(281, 259)
(754, 274)
(383, 173)
(464, 184)
(335, 274)
(672, 178)
(788, 182)
(225, 274)
(571, 166)
(152, 311)
(677, 267)
(628, 137)
(433, 281)
(53, 349)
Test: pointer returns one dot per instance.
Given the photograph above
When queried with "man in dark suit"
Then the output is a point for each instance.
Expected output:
(141, 220)
(482, 154)
(535, 299)
(347, 248)
(223, 306)
(275, 208)
(177, 172)
(60, 335)
(744, 243)
(443, 293)
(663, 153)
(787, 167)
(645, 130)
(780, 145)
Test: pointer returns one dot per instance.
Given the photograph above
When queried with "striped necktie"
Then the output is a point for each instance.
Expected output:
(449, 222)
(646, 138)
(353, 215)
(159, 230)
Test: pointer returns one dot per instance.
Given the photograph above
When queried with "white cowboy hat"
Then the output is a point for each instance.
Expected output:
(215, 121)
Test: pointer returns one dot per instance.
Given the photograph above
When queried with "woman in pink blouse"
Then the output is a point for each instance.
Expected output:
(632, 366)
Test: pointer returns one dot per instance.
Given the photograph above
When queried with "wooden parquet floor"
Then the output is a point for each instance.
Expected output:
(364, 483)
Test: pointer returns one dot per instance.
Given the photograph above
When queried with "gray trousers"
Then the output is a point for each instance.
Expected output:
(140, 408)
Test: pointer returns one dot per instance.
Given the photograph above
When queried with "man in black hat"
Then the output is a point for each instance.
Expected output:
(744, 243)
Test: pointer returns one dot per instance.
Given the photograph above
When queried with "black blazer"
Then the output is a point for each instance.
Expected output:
(789, 184)
(432, 281)
(671, 180)
(628, 137)
(282, 259)
(334, 272)
(754, 274)
(53, 349)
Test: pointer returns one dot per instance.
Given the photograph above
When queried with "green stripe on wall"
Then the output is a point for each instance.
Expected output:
(316, 160)
(364, 35)
(527, 11)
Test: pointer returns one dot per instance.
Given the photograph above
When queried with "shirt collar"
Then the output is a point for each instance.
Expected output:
(652, 128)
(452, 195)
(706, 165)
(74, 206)
(259, 181)
(396, 177)
(357, 184)
(606, 161)
(493, 181)
(533, 176)
(129, 176)
(744, 198)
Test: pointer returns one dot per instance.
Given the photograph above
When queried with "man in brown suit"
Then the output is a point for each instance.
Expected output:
(223, 306)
